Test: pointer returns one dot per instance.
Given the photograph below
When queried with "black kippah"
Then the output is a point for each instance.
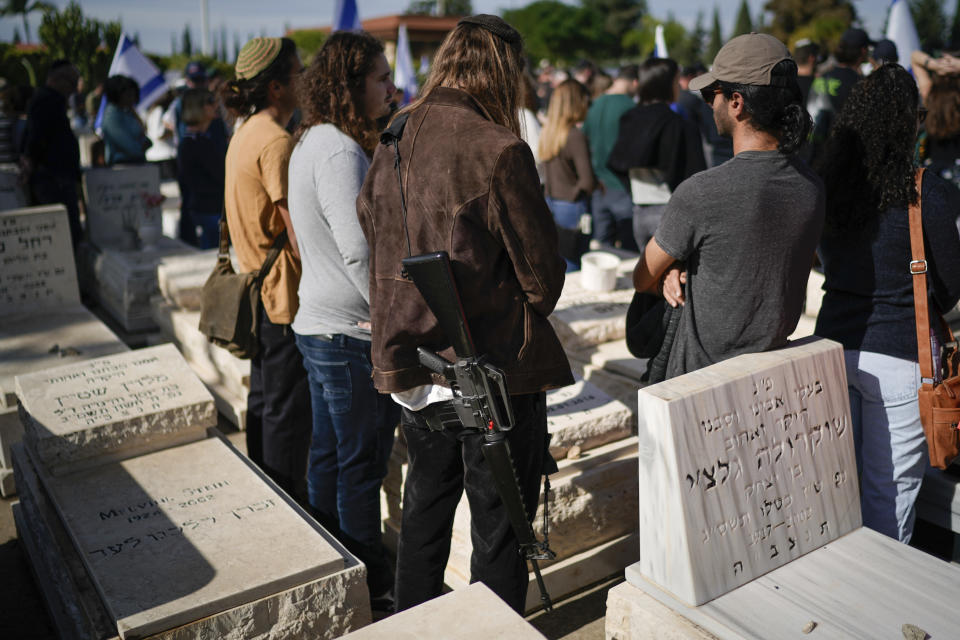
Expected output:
(495, 25)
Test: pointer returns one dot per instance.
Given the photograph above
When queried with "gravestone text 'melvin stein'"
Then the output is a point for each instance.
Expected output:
(113, 407)
(177, 535)
(744, 466)
(36, 261)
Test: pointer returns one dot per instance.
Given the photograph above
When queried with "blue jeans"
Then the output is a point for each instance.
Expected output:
(890, 446)
(567, 215)
(353, 429)
(646, 219)
(613, 218)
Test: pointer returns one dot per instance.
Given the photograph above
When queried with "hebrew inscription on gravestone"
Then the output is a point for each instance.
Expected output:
(113, 407)
(744, 466)
(36, 260)
(117, 200)
(181, 534)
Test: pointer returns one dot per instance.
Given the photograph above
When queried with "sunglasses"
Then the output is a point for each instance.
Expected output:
(921, 115)
(709, 93)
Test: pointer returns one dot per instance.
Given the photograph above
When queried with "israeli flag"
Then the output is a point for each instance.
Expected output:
(345, 16)
(901, 30)
(129, 61)
(403, 76)
(660, 45)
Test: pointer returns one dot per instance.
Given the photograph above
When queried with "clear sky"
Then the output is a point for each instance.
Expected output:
(156, 21)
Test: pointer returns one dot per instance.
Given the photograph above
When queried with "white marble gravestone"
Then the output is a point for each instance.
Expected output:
(744, 466)
(181, 534)
(115, 198)
(181, 277)
(11, 193)
(37, 271)
(112, 408)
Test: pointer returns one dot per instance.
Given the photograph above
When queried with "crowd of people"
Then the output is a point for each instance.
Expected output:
(733, 182)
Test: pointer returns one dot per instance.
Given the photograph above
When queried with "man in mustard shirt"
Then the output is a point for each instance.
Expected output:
(264, 94)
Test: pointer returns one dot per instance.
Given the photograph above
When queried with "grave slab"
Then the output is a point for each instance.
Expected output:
(181, 277)
(613, 357)
(213, 364)
(327, 607)
(123, 282)
(584, 318)
(860, 586)
(112, 408)
(744, 466)
(473, 613)
(581, 415)
(592, 501)
(116, 201)
(196, 519)
(37, 271)
(34, 341)
(75, 606)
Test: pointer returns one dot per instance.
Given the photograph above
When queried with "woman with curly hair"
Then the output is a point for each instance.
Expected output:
(342, 94)
(869, 174)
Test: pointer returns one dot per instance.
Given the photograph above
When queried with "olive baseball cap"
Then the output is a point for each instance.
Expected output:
(746, 59)
(256, 56)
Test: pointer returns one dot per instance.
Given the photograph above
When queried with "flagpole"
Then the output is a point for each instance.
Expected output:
(204, 27)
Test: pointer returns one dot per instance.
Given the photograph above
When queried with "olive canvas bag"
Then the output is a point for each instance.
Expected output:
(229, 300)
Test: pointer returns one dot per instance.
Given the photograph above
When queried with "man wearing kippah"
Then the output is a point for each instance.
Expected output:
(255, 198)
(736, 242)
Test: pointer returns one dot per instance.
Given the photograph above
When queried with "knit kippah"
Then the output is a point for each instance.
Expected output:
(256, 56)
(495, 25)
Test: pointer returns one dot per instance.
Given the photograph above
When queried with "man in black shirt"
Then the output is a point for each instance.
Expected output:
(830, 90)
(52, 156)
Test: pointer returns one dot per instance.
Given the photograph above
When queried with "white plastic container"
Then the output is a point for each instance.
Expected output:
(598, 271)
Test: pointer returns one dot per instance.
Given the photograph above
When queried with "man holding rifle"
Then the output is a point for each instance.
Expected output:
(458, 178)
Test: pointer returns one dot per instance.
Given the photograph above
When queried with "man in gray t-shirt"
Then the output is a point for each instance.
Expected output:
(736, 242)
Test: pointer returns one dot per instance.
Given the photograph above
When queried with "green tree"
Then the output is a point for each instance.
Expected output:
(744, 24)
(86, 42)
(552, 30)
(308, 42)
(186, 42)
(931, 23)
(16, 35)
(690, 49)
(716, 37)
(23, 8)
(440, 7)
(823, 21)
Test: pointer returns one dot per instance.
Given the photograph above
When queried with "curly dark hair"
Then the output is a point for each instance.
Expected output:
(246, 97)
(867, 163)
(333, 87)
(776, 109)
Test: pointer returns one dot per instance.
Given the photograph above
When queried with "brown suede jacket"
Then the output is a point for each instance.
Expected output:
(472, 190)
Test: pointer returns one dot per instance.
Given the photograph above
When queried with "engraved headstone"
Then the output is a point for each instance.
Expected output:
(181, 534)
(36, 260)
(181, 277)
(118, 201)
(112, 408)
(11, 193)
(744, 466)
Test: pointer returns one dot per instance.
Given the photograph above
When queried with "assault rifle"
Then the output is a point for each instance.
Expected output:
(480, 398)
